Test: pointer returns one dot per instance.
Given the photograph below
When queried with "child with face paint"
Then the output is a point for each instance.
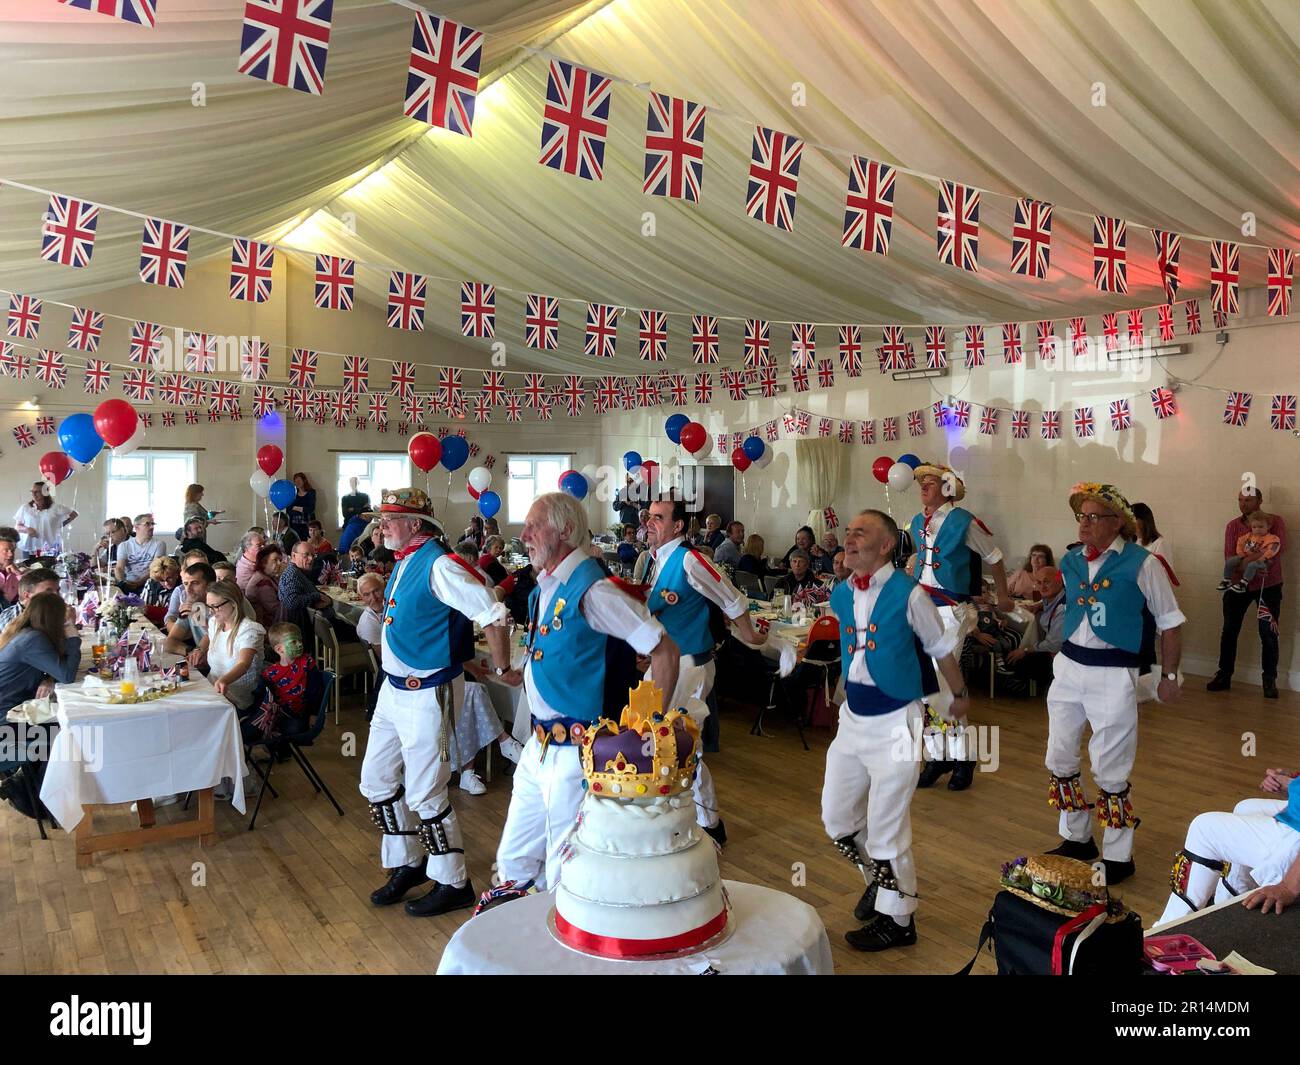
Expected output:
(292, 682)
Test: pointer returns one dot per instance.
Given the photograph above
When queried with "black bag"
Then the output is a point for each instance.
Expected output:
(1028, 940)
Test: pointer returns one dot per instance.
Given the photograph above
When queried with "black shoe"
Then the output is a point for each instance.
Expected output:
(1118, 872)
(1270, 688)
(962, 775)
(1083, 852)
(718, 832)
(866, 906)
(931, 772)
(400, 881)
(443, 899)
(882, 933)
(1220, 683)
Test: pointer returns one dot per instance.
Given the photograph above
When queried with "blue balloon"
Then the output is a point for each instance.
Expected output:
(910, 459)
(455, 450)
(575, 484)
(631, 459)
(282, 493)
(753, 448)
(78, 438)
(488, 504)
(674, 426)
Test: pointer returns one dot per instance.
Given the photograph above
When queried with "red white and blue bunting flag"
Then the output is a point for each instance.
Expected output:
(478, 310)
(443, 432)
(514, 407)
(303, 364)
(723, 441)
(674, 148)
(24, 316)
(191, 417)
(798, 378)
(1136, 328)
(51, 370)
(940, 413)
(824, 427)
(225, 397)
(200, 352)
(360, 423)
(1049, 344)
(757, 343)
(802, 422)
(575, 121)
(867, 431)
(1165, 321)
(442, 74)
(936, 347)
(1051, 425)
(263, 401)
(68, 231)
(607, 392)
(734, 382)
(378, 411)
(602, 330)
(1220, 318)
(1110, 254)
(771, 431)
(916, 422)
(1020, 425)
(356, 374)
(848, 432)
(869, 206)
(1168, 245)
(1078, 337)
(1281, 271)
(169, 419)
(164, 253)
(146, 419)
(1012, 345)
(406, 293)
(1121, 417)
(1192, 309)
(652, 336)
(989, 421)
(974, 346)
(450, 385)
(889, 429)
(146, 343)
(1283, 413)
(482, 409)
(960, 414)
(1031, 238)
(892, 353)
(192, 392)
(575, 399)
(850, 348)
(138, 384)
(493, 387)
(825, 374)
(704, 339)
(336, 280)
(1163, 403)
(535, 389)
(1110, 330)
(678, 390)
(251, 265)
(24, 435)
(13, 364)
(626, 394)
(171, 389)
(140, 12)
(803, 344)
(401, 381)
(957, 229)
(1237, 409)
(86, 330)
(98, 375)
(1225, 276)
(703, 387)
(1085, 426)
(542, 322)
(773, 177)
(412, 407)
(286, 42)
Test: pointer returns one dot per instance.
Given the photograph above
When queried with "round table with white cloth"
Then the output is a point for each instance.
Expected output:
(774, 934)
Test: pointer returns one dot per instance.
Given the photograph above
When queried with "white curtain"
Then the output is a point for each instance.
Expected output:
(818, 469)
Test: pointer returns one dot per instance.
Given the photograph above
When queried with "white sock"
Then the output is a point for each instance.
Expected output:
(902, 922)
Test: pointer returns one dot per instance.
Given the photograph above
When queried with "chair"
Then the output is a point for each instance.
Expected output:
(24, 769)
(770, 585)
(824, 638)
(777, 695)
(341, 659)
(750, 584)
(296, 743)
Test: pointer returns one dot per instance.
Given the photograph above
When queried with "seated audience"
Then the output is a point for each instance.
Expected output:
(356, 561)
(712, 534)
(801, 584)
(382, 561)
(992, 636)
(232, 646)
(370, 626)
(134, 555)
(116, 533)
(373, 539)
(1023, 583)
(196, 539)
(293, 687)
(164, 578)
(282, 531)
(839, 571)
(190, 628)
(825, 561)
(628, 548)
(1035, 662)
(729, 550)
(474, 534)
(516, 599)
(37, 581)
(39, 646)
(643, 515)
(752, 560)
(490, 563)
(178, 593)
(10, 574)
(804, 541)
(246, 564)
(297, 591)
(316, 537)
(264, 585)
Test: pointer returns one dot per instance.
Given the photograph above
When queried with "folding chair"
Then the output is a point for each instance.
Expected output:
(770, 585)
(341, 659)
(750, 584)
(825, 631)
(777, 695)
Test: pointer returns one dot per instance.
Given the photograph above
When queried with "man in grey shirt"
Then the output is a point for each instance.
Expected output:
(729, 550)
(134, 555)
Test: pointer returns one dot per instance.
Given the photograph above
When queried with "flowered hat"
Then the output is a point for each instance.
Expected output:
(1109, 497)
(1060, 885)
(935, 469)
(411, 502)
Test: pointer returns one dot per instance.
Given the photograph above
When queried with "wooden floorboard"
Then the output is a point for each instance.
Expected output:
(292, 897)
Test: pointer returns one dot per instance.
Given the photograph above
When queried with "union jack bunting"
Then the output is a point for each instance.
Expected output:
(24, 435)
(974, 346)
(141, 12)
(164, 253)
(98, 374)
(412, 407)
(13, 364)
(824, 427)
(703, 387)
(138, 383)
(942, 415)
(378, 412)
(916, 422)
(254, 358)
(478, 310)
(1031, 238)
(335, 282)
(490, 461)
(889, 428)
(1136, 328)
(1078, 337)
(172, 389)
(704, 339)
(802, 422)
(1225, 275)
(1163, 403)
(723, 441)
(1110, 330)
(1012, 346)
(960, 414)
(86, 329)
(303, 364)
(24, 316)
(803, 344)
(1168, 245)
(1020, 425)
(848, 432)
(606, 394)
(286, 42)
(798, 378)
(214, 415)
(535, 389)
(1237, 409)
(678, 388)
(1121, 417)
(936, 347)
(575, 399)
(406, 301)
(191, 417)
(191, 392)
(224, 397)
(989, 421)
(1109, 254)
(544, 411)
(401, 380)
(734, 382)
(602, 330)
(169, 419)
(50, 369)
(200, 352)
(146, 342)
(957, 230)
(1165, 321)
(482, 409)
(674, 148)
(647, 391)
(1192, 309)
(251, 264)
(575, 121)
(892, 353)
(850, 348)
(1049, 343)
(542, 322)
(442, 74)
(493, 387)
(626, 394)
(868, 431)
(1220, 318)
(356, 374)
(869, 206)
(450, 383)
(758, 343)
(1283, 413)
(68, 231)
(825, 374)
(652, 336)
(514, 407)
(1084, 424)
(772, 431)
(1281, 268)
(263, 400)
(773, 177)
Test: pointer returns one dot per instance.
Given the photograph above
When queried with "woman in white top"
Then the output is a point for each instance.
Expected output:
(1148, 535)
(41, 523)
(233, 645)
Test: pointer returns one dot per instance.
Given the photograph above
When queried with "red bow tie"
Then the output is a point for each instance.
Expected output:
(1091, 554)
(861, 583)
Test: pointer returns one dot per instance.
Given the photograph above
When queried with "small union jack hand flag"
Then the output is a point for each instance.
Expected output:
(602, 330)
(1020, 425)
(542, 323)
(478, 310)
(251, 264)
(1193, 311)
(1048, 342)
(974, 346)
(957, 229)
(757, 343)
(68, 231)
(335, 282)
(1165, 321)
(703, 387)
(704, 339)
(141, 12)
(97, 376)
(850, 348)
(1110, 254)
(1121, 417)
(1283, 413)
(575, 121)
(286, 42)
(773, 178)
(50, 369)
(442, 76)
(164, 253)
(1237, 409)
(1031, 238)
(916, 422)
(653, 336)
(24, 316)
(1084, 423)
(1163, 403)
(869, 206)
(1051, 425)
(24, 435)
(86, 329)
(1012, 345)
(1225, 275)
(1281, 269)
(1168, 245)
(674, 148)
(989, 421)
(406, 301)
(303, 364)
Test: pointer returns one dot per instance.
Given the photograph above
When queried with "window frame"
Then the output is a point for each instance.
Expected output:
(150, 456)
(341, 480)
(565, 460)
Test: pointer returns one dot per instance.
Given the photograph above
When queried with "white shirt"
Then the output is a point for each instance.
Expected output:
(977, 540)
(138, 556)
(222, 656)
(1160, 546)
(48, 524)
(370, 627)
(922, 615)
(1152, 579)
(606, 608)
(709, 582)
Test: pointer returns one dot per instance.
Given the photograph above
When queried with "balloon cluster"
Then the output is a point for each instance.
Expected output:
(897, 473)
(643, 470)
(690, 435)
(452, 452)
(269, 460)
(753, 452)
(83, 436)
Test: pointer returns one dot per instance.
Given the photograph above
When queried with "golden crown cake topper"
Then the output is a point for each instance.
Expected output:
(648, 754)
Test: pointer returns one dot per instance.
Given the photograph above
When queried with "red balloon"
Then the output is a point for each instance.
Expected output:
(116, 421)
(425, 450)
(740, 460)
(56, 467)
(474, 493)
(559, 481)
(270, 458)
(693, 437)
(880, 469)
(650, 470)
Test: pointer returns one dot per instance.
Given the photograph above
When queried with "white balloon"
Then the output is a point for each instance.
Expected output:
(260, 483)
(901, 476)
(479, 478)
(765, 459)
(637, 473)
(706, 450)
(137, 438)
(590, 473)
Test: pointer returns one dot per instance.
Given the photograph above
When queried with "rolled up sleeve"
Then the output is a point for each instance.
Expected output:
(613, 612)
(455, 585)
(1153, 580)
(714, 586)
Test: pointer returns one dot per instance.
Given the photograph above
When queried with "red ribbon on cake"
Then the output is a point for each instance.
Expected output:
(614, 947)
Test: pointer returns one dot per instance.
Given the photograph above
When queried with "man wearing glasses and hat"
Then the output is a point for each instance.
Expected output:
(1117, 595)
(431, 601)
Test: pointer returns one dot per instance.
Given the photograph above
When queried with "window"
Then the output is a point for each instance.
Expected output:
(374, 473)
(531, 476)
(152, 482)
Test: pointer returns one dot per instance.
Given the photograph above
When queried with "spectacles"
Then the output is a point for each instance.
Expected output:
(1092, 519)
(218, 606)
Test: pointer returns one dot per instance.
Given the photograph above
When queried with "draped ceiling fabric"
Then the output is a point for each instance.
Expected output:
(1201, 123)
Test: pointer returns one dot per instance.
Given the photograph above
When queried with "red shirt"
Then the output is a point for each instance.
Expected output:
(1238, 528)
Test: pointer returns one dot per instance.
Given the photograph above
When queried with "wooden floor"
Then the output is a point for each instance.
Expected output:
(292, 897)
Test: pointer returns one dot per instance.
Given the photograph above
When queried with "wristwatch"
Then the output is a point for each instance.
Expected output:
(1171, 676)
(500, 671)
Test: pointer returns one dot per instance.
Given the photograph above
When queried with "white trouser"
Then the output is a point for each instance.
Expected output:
(1104, 697)
(951, 744)
(695, 682)
(404, 750)
(1248, 838)
(870, 778)
(544, 803)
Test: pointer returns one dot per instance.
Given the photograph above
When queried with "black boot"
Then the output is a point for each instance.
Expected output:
(400, 881)
(931, 772)
(881, 933)
(1118, 872)
(443, 899)
(1270, 688)
(1083, 852)
(1221, 683)
(718, 832)
(962, 775)
(866, 905)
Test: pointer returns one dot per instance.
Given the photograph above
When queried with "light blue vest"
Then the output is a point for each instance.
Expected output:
(422, 630)
(1122, 621)
(1291, 815)
(679, 607)
(568, 655)
(952, 555)
(889, 641)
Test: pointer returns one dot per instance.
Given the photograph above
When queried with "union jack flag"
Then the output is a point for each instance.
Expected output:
(679, 389)
(482, 409)
(169, 419)
(626, 394)
(1110, 330)
(803, 420)
(171, 389)
(1281, 268)
(442, 75)
(803, 344)
(287, 42)
(303, 363)
(1168, 245)
(164, 253)
(1220, 318)
(1283, 413)
(141, 12)
(942, 415)
(263, 400)
(214, 415)
(825, 374)
(798, 378)
(401, 381)
(335, 282)
(192, 392)
(653, 336)
(869, 206)
(850, 347)
(378, 412)
(916, 422)
(542, 322)
(514, 407)
(1031, 238)
(936, 347)
(703, 387)
(494, 386)
(11, 364)
(674, 148)
(602, 330)
(251, 264)
(50, 369)
(1192, 309)
(575, 121)
(412, 407)
(960, 414)
(478, 309)
(1020, 425)
(1121, 417)
(824, 427)
(1237, 409)
(1165, 321)
(868, 431)
(647, 391)
(97, 376)
(607, 392)
(146, 342)
(889, 428)
(1048, 342)
(572, 393)
(138, 383)
(1163, 403)
(1078, 337)
(1225, 275)
(356, 374)
(224, 397)
(1012, 346)
(773, 177)
(704, 339)
(406, 301)
(1110, 254)
(24, 316)
(724, 442)
(1265, 617)
(848, 432)
(974, 345)
(200, 352)
(1136, 328)
(254, 358)
(734, 382)
(1084, 424)
(772, 431)
(68, 231)
(767, 381)
(86, 329)
(758, 343)
(958, 226)
(191, 417)
(989, 421)
(24, 435)
(535, 389)
(892, 353)
(450, 382)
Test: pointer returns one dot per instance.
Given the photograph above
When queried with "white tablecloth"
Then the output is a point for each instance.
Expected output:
(775, 934)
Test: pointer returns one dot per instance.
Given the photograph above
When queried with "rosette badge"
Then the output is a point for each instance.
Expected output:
(648, 754)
